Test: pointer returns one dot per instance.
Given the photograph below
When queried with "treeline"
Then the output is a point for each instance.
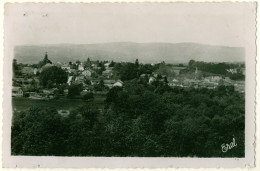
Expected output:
(218, 68)
(129, 71)
(138, 120)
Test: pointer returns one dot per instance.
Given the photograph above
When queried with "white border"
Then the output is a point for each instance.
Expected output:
(103, 162)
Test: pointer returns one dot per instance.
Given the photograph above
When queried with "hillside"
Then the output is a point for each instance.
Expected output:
(125, 51)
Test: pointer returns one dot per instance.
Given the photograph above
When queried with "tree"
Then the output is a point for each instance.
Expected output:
(192, 65)
(16, 70)
(112, 64)
(88, 96)
(129, 72)
(78, 62)
(38, 132)
(165, 80)
(100, 86)
(54, 75)
(74, 90)
(87, 82)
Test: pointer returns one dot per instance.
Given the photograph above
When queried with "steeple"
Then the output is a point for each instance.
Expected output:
(46, 55)
(196, 73)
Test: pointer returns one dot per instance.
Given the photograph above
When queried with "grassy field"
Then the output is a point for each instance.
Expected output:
(22, 103)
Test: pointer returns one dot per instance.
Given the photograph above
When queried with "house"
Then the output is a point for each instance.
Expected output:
(80, 79)
(87, 73)
(17, 92)
(94, 82)
(216, 78)
(28, 71)
(81, 67)
(232, 70)
(18, 80)
(107, 73)
(209, 85)
(142, 75)
(177, 70)
(66, 91)
(227, 81)
(109, 83)
(107, 65)
(69, 80)
(118, 83)
(47, 66)
(151, 79)
(155, 75)
(240, 86)
(65, 67)
(212, 79)
(48, 91)
(95, 66)
(109, 69)
(35, 70)
(173, 83)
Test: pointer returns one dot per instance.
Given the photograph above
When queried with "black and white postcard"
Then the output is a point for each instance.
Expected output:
(129, 85)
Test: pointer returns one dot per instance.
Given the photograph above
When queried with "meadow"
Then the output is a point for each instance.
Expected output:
(63, 103)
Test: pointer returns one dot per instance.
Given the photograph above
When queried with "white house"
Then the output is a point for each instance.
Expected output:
(80, 79)
(17, 92)
(118, 83)
(81, 67)
(232, 70)
(65, 67)
(69, 80)
(109, 83)
(107, 65)
(151, 79)
(107, 73)
(35, 70)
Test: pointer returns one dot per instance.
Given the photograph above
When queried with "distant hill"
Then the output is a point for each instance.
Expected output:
(125, 51)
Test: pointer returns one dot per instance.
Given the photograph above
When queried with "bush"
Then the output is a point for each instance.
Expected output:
(88, 96)
(74, 90)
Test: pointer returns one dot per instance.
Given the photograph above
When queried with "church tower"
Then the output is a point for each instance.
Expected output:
(46, 55)
(196, 73)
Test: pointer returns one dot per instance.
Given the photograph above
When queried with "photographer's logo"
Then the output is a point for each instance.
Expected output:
(226, 147)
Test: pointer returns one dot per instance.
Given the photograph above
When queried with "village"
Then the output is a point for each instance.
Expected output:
(98, 77)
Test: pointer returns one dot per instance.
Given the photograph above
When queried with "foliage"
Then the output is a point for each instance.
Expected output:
(53, 75)
(16, 69)
(74, 90)
(139, 119)
(100, 86)
(129, 71)
(88, 96)
(217, 68)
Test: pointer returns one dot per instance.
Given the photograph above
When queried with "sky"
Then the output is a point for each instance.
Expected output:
(206, 23)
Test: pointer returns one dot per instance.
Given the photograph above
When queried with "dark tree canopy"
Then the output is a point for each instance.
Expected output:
(138, 121)
(53, 75)
(74, 90)
(129, 71)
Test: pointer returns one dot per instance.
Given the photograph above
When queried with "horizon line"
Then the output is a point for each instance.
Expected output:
(51, 44)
